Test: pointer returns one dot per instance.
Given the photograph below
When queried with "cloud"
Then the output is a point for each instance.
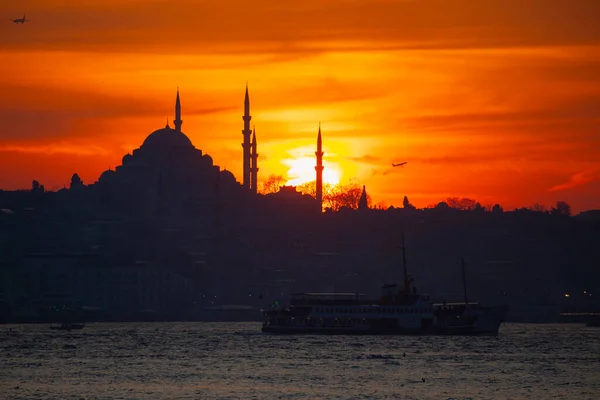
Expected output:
(64, 112)
(321, 91)
(572, 119)
(366, 159)
(57, 149)
(238, 25)
(578, 179)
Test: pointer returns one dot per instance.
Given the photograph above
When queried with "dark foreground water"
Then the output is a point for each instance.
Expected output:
(236, 361)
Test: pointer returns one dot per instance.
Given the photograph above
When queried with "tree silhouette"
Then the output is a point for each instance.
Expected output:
(497, 208)
(562, 208)
(310, 188)
(346, 196)
(464, 203)
(538, 207)
(36, 187)
(336, 196)
(442, 205)
(272, 184)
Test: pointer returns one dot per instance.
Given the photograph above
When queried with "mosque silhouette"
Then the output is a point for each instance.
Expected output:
(168, 176)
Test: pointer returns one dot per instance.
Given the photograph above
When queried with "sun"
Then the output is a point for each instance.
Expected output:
(302, 170)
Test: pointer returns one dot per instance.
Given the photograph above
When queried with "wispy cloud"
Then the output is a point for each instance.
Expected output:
(57, 149)
(207, 26)
(578, 179)
(367, 159)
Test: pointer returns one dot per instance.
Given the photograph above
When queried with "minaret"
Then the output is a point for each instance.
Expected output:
(177, 122)
(254, 164)
(319, 169)
(246, 145)
(362, 202)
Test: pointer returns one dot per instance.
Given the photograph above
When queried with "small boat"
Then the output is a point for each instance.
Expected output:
(67, 326)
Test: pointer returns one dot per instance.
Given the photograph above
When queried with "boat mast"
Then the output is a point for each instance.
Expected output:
(464, 279)
(406, 282)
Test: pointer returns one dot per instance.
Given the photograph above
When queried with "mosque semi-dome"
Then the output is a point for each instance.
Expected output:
(167, 138)
(227, 175)
(208, 159)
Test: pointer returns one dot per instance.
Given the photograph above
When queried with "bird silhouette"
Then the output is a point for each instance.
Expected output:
(399, 164)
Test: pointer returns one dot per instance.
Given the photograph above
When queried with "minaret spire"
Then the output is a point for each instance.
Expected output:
(246, 102)
(246, 144)
(319, 170)
(177, 122)
(254, 163)
(362, 202)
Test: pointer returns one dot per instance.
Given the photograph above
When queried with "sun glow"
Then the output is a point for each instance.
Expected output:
(302, 170)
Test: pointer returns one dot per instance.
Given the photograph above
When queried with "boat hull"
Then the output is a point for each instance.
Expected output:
(482, 321)
(441, 331)
(69, 327)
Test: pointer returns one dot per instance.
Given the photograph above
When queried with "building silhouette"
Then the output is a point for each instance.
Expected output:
(246, 145)
(253, 164)
(169, 230)
(362, 203)
(319, 170)
(166, 176)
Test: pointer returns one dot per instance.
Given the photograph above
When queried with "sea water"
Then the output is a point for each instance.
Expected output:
(195, 360)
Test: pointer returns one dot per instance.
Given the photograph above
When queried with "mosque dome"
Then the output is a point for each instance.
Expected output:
(106, 175)
(167, 138)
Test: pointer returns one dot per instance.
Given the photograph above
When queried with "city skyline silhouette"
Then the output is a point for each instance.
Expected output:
(501, 112)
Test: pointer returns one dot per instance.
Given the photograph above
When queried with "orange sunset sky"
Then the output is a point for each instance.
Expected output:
(496, 100)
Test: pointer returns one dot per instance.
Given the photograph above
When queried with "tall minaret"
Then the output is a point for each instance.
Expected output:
(246, 145)
(254, 167)
(177, 120)
(319, 169)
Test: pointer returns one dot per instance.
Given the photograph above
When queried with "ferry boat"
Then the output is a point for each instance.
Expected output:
(399, 311)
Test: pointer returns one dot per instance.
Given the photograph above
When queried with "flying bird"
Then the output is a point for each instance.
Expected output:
(19, 20)
(399, 164)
